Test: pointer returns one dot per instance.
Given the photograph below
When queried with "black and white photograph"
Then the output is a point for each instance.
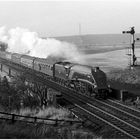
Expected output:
(69, 69)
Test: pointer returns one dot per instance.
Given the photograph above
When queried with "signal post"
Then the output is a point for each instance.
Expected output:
(132, 32)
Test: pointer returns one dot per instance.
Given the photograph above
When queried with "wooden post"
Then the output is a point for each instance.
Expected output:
(35, 119)
(71, 122)
(13, 118)
(121, 95)
(21, 103)
(53, 98)
(56, 122)
(9, 74)
(1, 67)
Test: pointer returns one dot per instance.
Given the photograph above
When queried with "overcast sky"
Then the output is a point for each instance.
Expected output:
(60, 18)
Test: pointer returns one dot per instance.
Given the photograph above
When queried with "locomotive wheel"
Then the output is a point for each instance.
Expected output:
(83, 87)
(101, 95)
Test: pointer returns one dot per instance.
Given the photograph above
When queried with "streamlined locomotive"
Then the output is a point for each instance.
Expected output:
(85, 79)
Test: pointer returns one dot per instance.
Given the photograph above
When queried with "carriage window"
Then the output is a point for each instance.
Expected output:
(51, 67)
(39, 66)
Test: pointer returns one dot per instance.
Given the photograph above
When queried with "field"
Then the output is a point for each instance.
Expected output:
(98, 39)
(107, 51)
(116, 59)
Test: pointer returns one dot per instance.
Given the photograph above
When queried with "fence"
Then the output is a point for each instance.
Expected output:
(29, 119)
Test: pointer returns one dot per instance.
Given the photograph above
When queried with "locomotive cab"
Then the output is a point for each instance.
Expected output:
(101, 83)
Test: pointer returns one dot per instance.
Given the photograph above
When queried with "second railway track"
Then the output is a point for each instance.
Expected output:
(124, 126)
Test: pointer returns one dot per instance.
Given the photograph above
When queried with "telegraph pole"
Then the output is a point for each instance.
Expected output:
(80, 34)
(132, 32)
(79, 29)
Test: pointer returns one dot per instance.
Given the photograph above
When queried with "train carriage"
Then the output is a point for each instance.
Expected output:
(2, 54)
(60, 71)
(16, 57)
(27, 61)
(8, 56)
(43, 65)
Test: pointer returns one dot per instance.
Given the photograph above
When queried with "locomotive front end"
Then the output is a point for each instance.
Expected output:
(100, 79)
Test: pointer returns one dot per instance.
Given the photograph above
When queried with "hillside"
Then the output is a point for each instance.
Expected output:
(99, 39)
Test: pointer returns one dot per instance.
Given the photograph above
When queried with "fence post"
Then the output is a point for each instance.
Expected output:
(83, 123)
(121, 95)
(35, 119)
(56, 122)
(9, 73)
(1, 67)
(71, 122)
(13, 118)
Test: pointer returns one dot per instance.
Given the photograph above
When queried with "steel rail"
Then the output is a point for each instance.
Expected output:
(112, 107)
(114, 126)
(114, 117)
(130, 114)
(119, 109)
(130, 108)
(110, 124)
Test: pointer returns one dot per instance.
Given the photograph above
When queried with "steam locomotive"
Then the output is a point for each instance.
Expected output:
(85, 79)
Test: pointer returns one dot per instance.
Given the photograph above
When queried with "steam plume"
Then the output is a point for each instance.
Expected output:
(23, 41)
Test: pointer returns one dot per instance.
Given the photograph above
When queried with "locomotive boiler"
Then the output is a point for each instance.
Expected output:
(85, 79)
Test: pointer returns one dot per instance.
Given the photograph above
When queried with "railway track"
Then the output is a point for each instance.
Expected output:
(119, 112)
(117, 122)
(104, 112)
(126, 108)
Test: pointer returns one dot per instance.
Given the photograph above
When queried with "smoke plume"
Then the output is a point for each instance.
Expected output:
(23, 41)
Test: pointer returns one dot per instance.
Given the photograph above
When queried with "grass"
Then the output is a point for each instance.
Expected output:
(15, 131)
(22, 130)
(125, 76)
(49, 112)
(26, 130)
(126, 79)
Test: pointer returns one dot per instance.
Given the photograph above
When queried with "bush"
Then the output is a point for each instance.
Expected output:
(54, 113)
(15, 131)
(127, 76)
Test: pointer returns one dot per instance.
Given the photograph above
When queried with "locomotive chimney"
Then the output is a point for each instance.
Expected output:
(96, 69)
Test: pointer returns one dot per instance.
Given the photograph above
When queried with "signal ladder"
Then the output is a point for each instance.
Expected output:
(129, 54)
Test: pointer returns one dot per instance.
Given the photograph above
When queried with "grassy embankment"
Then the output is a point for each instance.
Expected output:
(28, 130)
(127, 79)
(63, 130)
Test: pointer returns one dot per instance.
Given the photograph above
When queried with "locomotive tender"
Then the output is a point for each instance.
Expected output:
(85, 79)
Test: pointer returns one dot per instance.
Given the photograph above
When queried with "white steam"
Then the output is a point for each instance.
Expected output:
(23, 41)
